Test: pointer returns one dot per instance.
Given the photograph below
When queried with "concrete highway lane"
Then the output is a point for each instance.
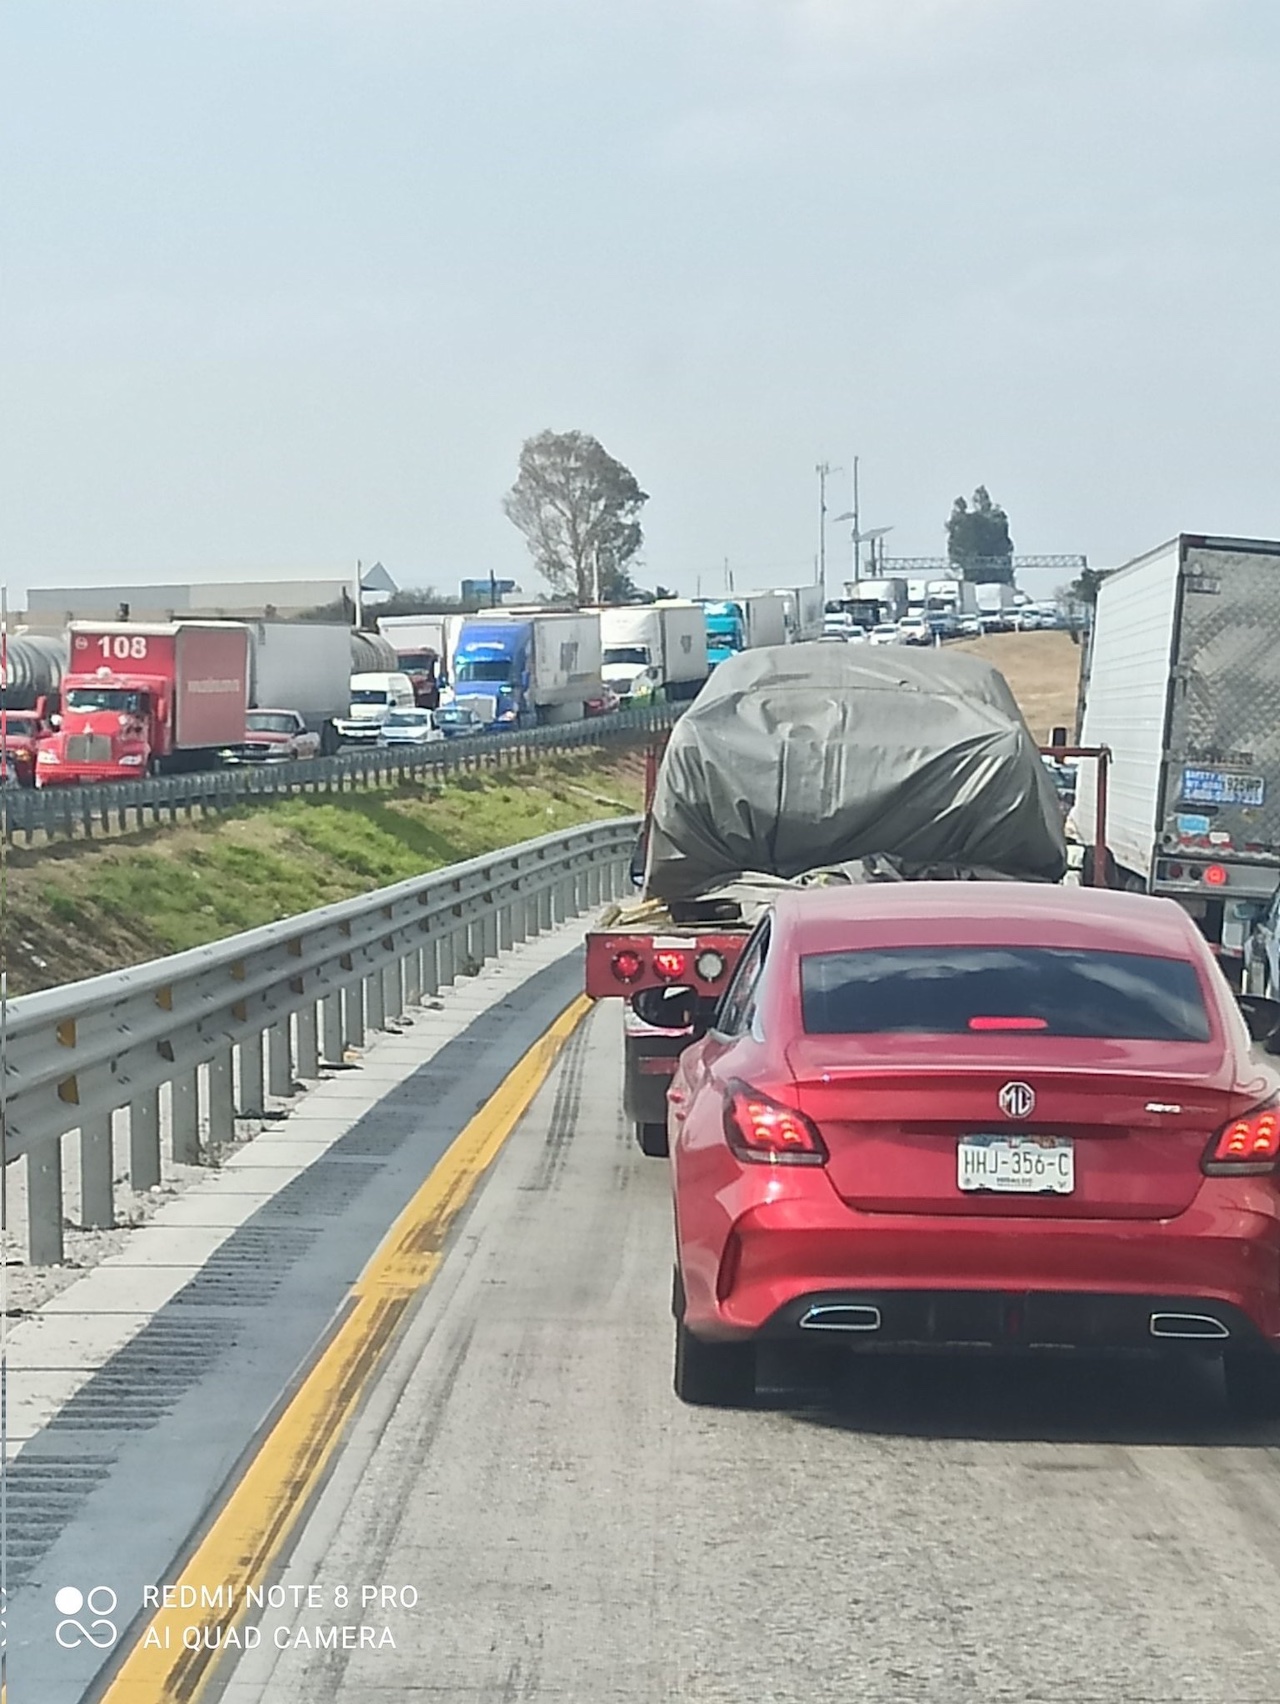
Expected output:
(530, 1515)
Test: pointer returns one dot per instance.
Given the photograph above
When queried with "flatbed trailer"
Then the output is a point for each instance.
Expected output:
(640, 950)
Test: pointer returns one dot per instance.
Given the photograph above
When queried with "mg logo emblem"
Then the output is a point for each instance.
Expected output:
(1017, 1100)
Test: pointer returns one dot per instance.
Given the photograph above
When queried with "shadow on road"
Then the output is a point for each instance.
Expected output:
(1079, 1400)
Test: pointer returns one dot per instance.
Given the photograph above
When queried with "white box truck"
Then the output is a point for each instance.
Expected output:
(654, 652)
(1181, 683)
(803, 612)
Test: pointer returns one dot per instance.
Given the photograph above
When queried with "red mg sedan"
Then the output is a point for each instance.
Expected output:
(977, 1115)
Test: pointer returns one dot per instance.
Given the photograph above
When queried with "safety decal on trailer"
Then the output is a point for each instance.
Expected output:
(1216, 787)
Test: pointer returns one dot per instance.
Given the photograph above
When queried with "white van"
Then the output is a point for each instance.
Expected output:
(373, 698)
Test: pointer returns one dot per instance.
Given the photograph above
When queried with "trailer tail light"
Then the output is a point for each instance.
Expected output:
(1248, 1146)
(670, 965)
(709, 965)
(627, 966)
(1216, 875)
(765, 1132)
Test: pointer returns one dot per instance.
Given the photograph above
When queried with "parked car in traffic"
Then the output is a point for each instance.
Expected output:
(603, 703)
(276, 736)
(458, 721)
(885, 634)
(938, 1116)
(915, 630)
(410, 728)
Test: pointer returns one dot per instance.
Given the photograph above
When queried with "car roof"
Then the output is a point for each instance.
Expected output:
(847, 916)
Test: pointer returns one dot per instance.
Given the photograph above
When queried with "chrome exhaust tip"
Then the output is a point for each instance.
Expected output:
(841, 1316)
(1187, 1325)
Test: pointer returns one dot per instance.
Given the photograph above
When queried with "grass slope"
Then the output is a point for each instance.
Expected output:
(79, 909)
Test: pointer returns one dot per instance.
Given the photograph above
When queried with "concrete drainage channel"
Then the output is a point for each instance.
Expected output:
(220, 1299)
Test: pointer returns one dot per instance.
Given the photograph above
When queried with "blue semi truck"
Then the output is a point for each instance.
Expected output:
(520, 668)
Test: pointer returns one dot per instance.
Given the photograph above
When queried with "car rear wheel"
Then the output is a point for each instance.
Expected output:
(714, 1375)
(1253, 1384)
(651, 1139)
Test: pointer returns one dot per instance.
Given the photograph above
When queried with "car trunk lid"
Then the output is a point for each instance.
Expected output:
(893, 1120)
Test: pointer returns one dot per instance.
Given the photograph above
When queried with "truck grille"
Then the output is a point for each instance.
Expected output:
(88, 748)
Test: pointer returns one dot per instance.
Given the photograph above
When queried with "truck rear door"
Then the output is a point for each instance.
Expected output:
(1221, 793)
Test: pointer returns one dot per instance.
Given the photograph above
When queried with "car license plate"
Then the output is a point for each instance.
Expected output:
(1017, 1165)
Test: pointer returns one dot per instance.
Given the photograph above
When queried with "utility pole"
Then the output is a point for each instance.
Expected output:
(857, 528)
(824, 470)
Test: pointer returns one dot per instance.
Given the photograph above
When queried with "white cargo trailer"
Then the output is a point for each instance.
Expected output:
(654, 651)
(1181, 683)
(303, 666)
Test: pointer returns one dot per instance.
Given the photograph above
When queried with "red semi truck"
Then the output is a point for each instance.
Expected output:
(146, 699)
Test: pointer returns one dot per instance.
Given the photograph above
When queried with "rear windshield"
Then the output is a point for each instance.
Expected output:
(1036, 990)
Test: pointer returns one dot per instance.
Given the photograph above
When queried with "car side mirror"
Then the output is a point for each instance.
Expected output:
(1262, 1019)
(666, 1008)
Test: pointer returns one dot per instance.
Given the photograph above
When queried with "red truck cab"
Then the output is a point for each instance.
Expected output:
(140, 698)
(21, 735)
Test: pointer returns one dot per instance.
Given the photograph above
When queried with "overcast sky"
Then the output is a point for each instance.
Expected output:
(285, 283)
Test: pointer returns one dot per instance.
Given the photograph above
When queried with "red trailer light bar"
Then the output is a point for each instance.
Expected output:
(627, 963)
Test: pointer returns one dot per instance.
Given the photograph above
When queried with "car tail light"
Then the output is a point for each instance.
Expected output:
(627, 966)
(767, 1132)
(1216, 876)
(1249, 1145)
(669, 965)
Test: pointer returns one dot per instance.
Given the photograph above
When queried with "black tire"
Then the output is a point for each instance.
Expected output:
(651, 1139)
(714, 1375)
(1253, 1384)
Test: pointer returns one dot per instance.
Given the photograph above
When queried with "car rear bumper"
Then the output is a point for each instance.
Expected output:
(1220, 1254)
(1010, 1320)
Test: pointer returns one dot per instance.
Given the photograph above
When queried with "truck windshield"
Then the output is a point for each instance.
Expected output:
(370, 695)
(418, 662)
(106, 698)
(627, 654)
(953, 990)
(270, 722)
(483, 669)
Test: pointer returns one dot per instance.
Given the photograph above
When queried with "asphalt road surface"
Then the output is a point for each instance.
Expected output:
(926, 1531)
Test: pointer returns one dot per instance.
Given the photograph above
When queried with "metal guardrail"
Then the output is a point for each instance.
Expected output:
(62, 813)
(218, 1028)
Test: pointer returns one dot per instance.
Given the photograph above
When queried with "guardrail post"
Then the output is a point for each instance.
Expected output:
(447, 958)
(411, 977)
(489, 941)
(184, 1116)
(353, 1014)
(375, 1001)
(97, 1208)
(44, 1204)
(331, 1008)
(279, 1060)
(222, 1107)
(506, 924)
(595, 885)
(308, 1064)
(546, 908)
(430, 968)
(144, 1140)
(519, 914)
(393, 990)
(253, 1099)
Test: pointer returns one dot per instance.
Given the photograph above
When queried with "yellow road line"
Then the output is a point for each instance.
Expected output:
(262, 1510)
